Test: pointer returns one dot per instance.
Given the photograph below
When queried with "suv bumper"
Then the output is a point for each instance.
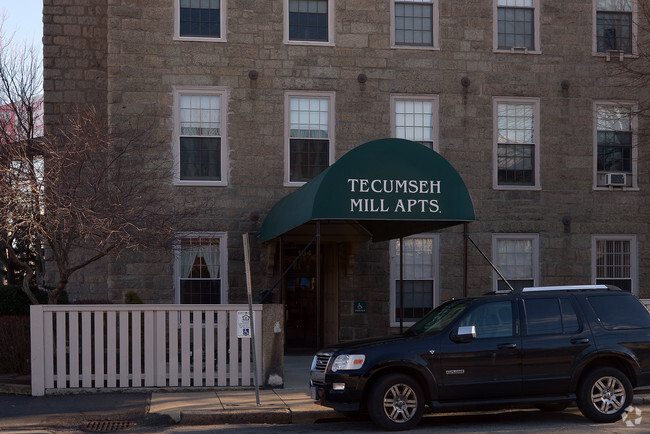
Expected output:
(347, 398)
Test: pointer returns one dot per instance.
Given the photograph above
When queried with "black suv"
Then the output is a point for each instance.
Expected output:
(544, 347)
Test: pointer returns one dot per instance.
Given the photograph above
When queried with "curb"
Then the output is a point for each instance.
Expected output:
(237, 417)
(15, 389)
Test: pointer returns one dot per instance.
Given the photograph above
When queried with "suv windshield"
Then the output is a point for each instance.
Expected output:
(440, 317)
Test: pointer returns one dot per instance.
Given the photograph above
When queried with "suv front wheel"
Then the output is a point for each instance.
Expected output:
(604, 394)
(396, 402)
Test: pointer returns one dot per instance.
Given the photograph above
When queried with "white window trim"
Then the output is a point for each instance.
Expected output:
(331, 128)
(634, 257)
(495, 137)
(523, 236)
(223, 261)
(394, 276)
(634, 124)
(435, 32)
(331, 27)
(495, 31)
(594, 41)
(436, 114)
(177, 25)
(223, 92)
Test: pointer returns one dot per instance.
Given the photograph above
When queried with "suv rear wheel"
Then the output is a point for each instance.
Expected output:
(604, 394)
(396, 402)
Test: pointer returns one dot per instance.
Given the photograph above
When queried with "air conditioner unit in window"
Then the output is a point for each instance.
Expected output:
(616, 179)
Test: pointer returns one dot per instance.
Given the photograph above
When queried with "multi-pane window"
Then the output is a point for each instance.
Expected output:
(516, 25)
(615, 145)
(309, 136)
(200, 19)
(309, 20)
(415, 118)
(201, 135)
(614, 261)
(414, 23)
(201, 263)
(517, 138)
(419, 277)
(516, 256)
(614, 26)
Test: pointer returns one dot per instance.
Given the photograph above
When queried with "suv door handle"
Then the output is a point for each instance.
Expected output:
(507, 346)
(580, 340)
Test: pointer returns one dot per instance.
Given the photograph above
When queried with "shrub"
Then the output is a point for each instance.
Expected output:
(132, 297)
(13, 301)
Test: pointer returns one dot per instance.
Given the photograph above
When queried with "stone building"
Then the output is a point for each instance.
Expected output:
(525, 98)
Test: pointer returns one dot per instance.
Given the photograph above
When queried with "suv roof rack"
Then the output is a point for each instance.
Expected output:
(569, 288)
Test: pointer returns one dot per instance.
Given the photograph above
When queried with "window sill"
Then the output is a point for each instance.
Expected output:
(199, 39)
(179, 183)
(609, 56)
(396, 324)
(513, 51)
(310, 43)
(612, 188)
(415, 47)
(518, 187)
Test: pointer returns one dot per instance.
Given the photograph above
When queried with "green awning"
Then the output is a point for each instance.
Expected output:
(391, 188)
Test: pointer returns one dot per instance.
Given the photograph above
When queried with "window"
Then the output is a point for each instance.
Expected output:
(516, 138)
(199, 144)
(491, 320)
(200, 20)
(615, 144)
(615, 26)
(415, 118)
(550, 316)
(309, 21)
(414, 23)
(516, 26)
(614, 261)
(309, 132)
(517, 258)
(201, 268)
(609, 308)
(420, 277)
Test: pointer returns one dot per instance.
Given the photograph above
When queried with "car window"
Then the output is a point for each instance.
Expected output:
(620, 312)
(440, 317)
(492, 320)
(546, 316)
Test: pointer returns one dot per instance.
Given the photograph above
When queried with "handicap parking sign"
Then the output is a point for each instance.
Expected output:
(243, 324)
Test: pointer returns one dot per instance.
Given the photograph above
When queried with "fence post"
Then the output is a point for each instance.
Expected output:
(37, 348)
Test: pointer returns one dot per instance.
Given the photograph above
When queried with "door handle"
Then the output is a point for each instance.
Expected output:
(507, 346)
(580, 341)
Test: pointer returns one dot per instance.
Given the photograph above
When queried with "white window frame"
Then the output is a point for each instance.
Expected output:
(536, 38)
(223, 93)
(634, 257)
(594, 39)
(634, 125)
(435, 29)
(223, 261)
(395, 274)
(223, 18)
(331, 128)
(534, 238)
(331, 27)
(435, 113)
(495, 141)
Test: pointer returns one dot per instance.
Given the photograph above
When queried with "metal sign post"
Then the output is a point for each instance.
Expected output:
(249, 288)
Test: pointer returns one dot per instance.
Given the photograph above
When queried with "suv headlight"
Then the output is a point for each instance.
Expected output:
(346, 362)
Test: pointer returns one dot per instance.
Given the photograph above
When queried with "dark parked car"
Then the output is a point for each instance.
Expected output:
(544, 347)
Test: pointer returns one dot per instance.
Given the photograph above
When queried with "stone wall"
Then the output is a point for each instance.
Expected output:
(122, 52)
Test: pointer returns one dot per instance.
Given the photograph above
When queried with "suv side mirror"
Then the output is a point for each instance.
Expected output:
(464, 334)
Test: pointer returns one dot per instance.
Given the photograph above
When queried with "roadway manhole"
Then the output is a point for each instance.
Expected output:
(108, 425)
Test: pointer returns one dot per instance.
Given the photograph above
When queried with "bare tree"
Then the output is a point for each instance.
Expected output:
(82, 190)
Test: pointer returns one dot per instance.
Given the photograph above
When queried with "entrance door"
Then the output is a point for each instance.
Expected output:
(300, 300)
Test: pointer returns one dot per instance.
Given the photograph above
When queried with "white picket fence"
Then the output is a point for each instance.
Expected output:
(140, 346)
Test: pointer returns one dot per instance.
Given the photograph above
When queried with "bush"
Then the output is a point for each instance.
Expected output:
(13, 301)
(132, 297)
(15, 344)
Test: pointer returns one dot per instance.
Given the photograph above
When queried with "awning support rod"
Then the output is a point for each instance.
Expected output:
(268, 292)
(489, 262)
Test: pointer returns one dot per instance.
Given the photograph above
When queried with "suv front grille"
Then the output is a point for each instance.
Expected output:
(318, 367)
